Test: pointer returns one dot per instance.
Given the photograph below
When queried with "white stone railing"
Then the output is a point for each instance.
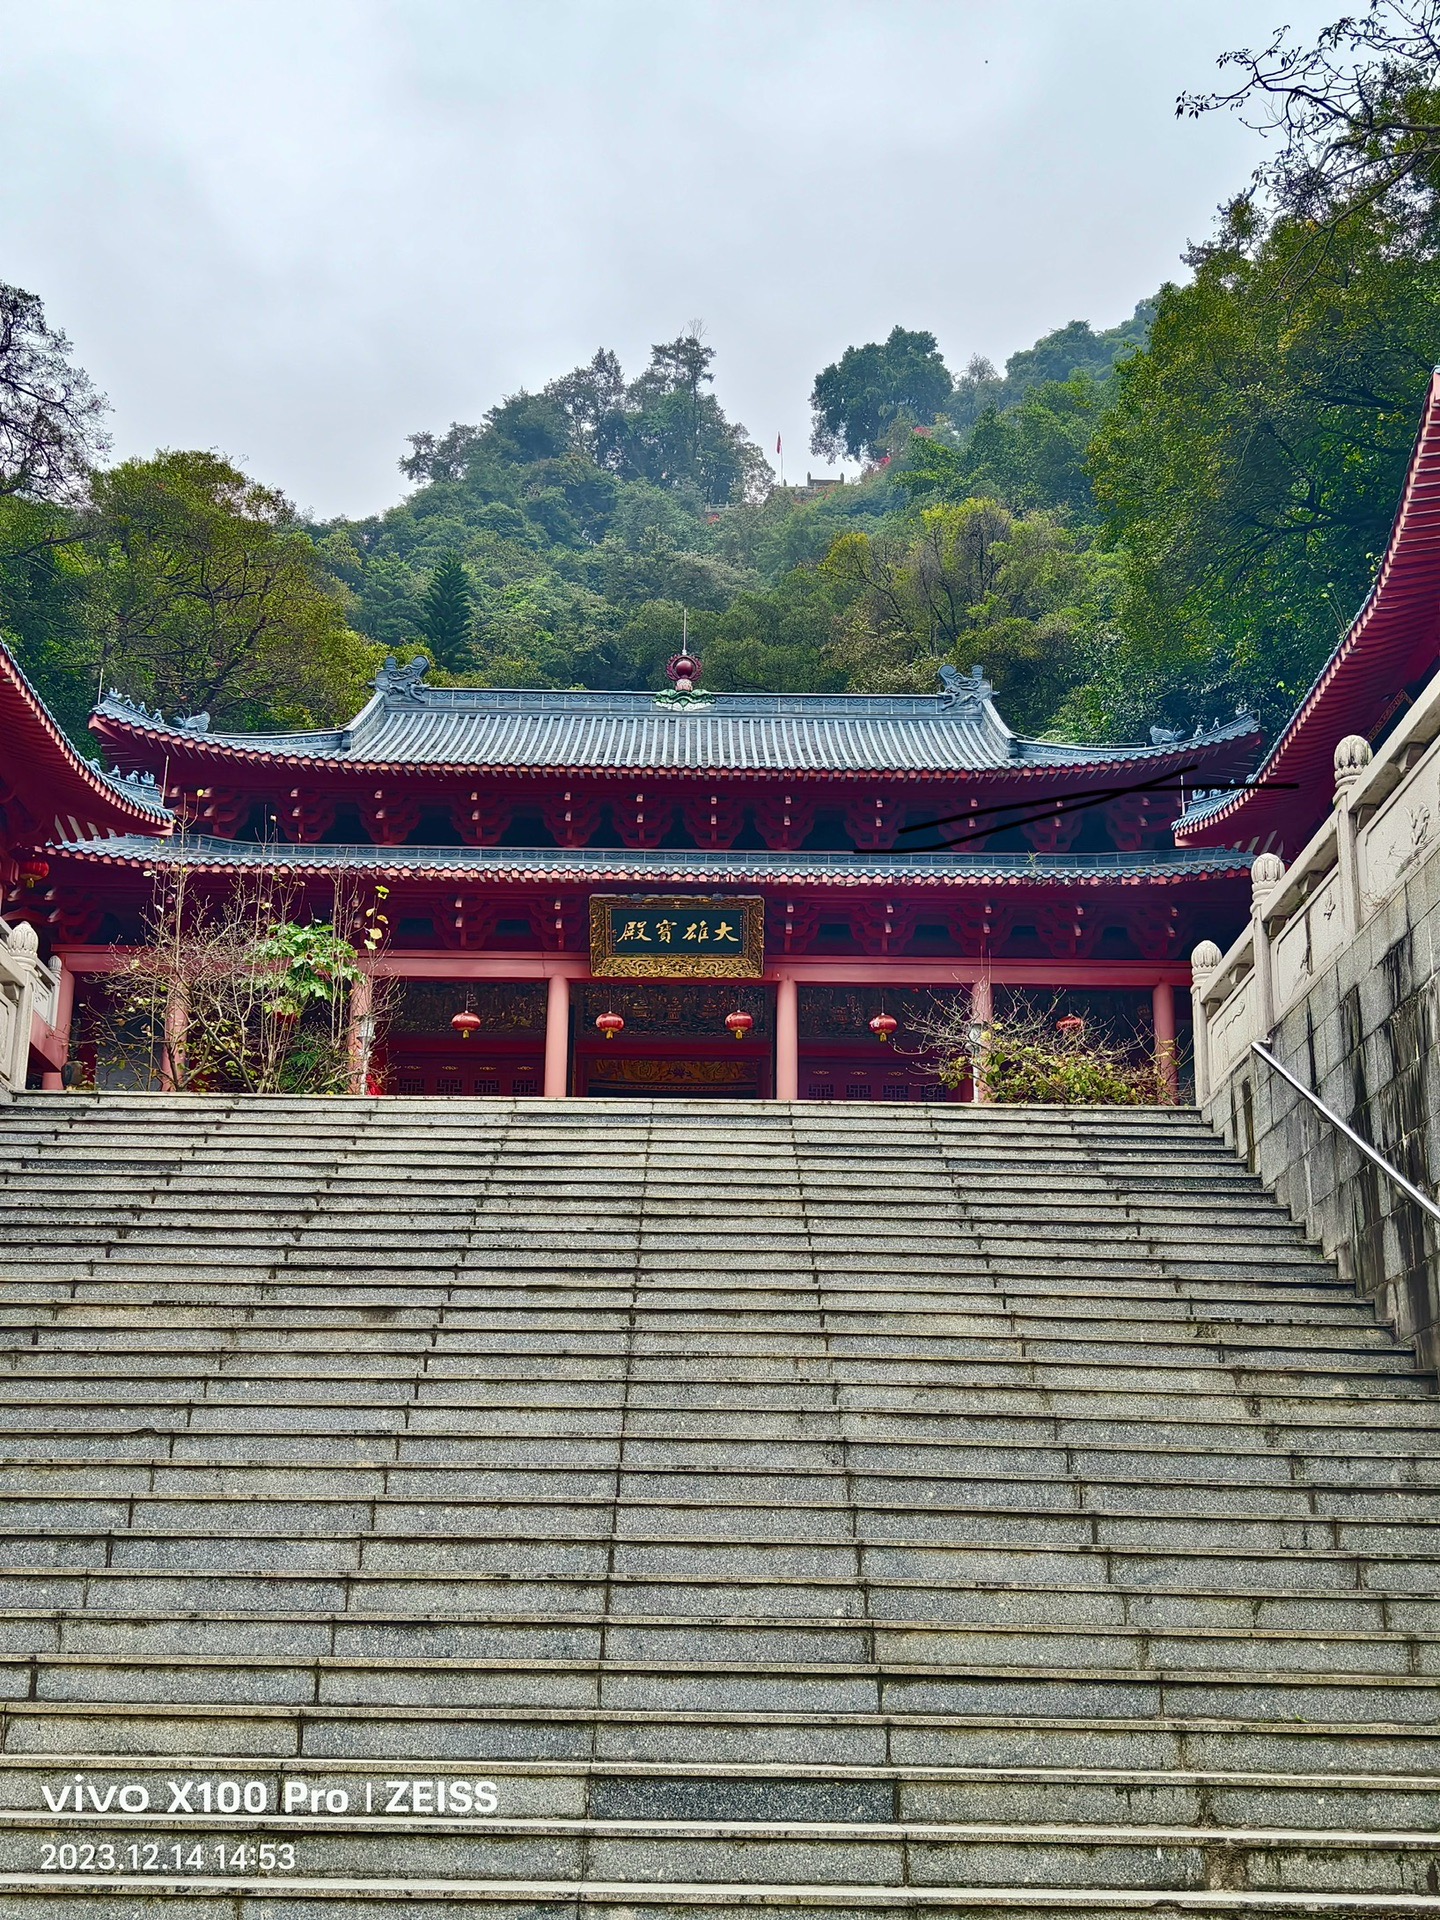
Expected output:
(28, 987)
(1384, 822)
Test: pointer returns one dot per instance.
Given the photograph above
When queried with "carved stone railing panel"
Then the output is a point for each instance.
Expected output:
(1232, 1029)
(1402, 833)
(47, 994)
(1308, 943)
(10, 1036)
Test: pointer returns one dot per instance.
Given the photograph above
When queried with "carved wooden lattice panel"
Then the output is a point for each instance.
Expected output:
(670, 1009)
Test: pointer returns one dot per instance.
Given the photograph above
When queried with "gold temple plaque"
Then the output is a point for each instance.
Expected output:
(683, 936)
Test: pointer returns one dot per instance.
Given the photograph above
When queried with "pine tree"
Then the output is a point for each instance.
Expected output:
(445, 612)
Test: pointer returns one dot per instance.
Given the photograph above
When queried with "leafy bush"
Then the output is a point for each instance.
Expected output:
(237, 995)
(1033, 1059)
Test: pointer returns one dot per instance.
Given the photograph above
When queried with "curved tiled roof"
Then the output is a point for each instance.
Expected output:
(588, 864)
(410, 725)
(52, 779)
(1392, 641)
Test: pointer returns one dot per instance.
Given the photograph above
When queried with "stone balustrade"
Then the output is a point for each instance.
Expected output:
(31, 993)
(1337, 972)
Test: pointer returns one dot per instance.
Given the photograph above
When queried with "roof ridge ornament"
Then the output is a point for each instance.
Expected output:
(114, 698)
(970, 687)
(684, 670)
(140, 785)
(409, 679)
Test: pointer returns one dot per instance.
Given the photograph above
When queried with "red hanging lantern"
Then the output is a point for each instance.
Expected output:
(33, 871)
(610, 1024)
(467, 1023)
(739, 1024)
(883, 1026)
(1072, 1026)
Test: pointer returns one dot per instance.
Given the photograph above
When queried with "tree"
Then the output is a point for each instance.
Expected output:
(1357, 116)
(675, 435)
(390, 611)
(49, 411)
(264, 998)
(210, 595)
(962, 584)
(526, 427)
(49, 436)
(775, 642)
(980, 389)
(46, 609)
(857, 400)
(592, 398)
(1032, 456)
(1251, 463)
(443, 457)
(589, 428)
(445, 612)
(1071, 352)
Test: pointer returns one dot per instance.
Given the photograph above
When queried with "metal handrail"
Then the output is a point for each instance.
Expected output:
(1393, 1173)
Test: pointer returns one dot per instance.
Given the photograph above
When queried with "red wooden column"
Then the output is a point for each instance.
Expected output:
(982, 1013)
(360, 1032)
(177, 1026)
(52, 1079)
(787, 1039)
(557, 1038)
(1166, 1059)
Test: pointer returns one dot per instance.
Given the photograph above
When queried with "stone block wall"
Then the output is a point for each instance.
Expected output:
(1363, 1036)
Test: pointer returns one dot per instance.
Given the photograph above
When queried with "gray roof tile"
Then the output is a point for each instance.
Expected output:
(509, 730)
(588, 864)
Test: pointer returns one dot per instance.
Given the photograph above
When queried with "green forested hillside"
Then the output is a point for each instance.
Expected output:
(565, 540)
(1156, 521)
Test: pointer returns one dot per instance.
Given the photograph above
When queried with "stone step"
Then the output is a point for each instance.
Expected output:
(992, 1514)
(845, 1356)
(1126, 1557)
(1406, 1431)
(102, 1452)
(990, 1510)
(524, 1855)
(422, 1734)
(839, 1489)
(1165, 1317)
(613, 1790)
(886, 1646)
(531, 1899)
(1088, 1600)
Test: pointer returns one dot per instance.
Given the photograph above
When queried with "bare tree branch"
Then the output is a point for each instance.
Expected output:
(50, 413)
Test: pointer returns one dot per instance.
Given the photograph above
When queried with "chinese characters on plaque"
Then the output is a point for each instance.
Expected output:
(677, 935)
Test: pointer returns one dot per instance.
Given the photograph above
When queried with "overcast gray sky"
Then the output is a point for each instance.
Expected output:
(296, 230)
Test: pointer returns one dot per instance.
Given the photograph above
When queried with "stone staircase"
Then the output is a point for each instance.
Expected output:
(631, 1510)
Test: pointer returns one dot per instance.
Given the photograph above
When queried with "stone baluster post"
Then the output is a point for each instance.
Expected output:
(1265, 875)
(1203, 962)
(1352, 756)
(22, 953)
(557, 1038)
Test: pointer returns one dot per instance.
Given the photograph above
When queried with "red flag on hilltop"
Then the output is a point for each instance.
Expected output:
(777, 443)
